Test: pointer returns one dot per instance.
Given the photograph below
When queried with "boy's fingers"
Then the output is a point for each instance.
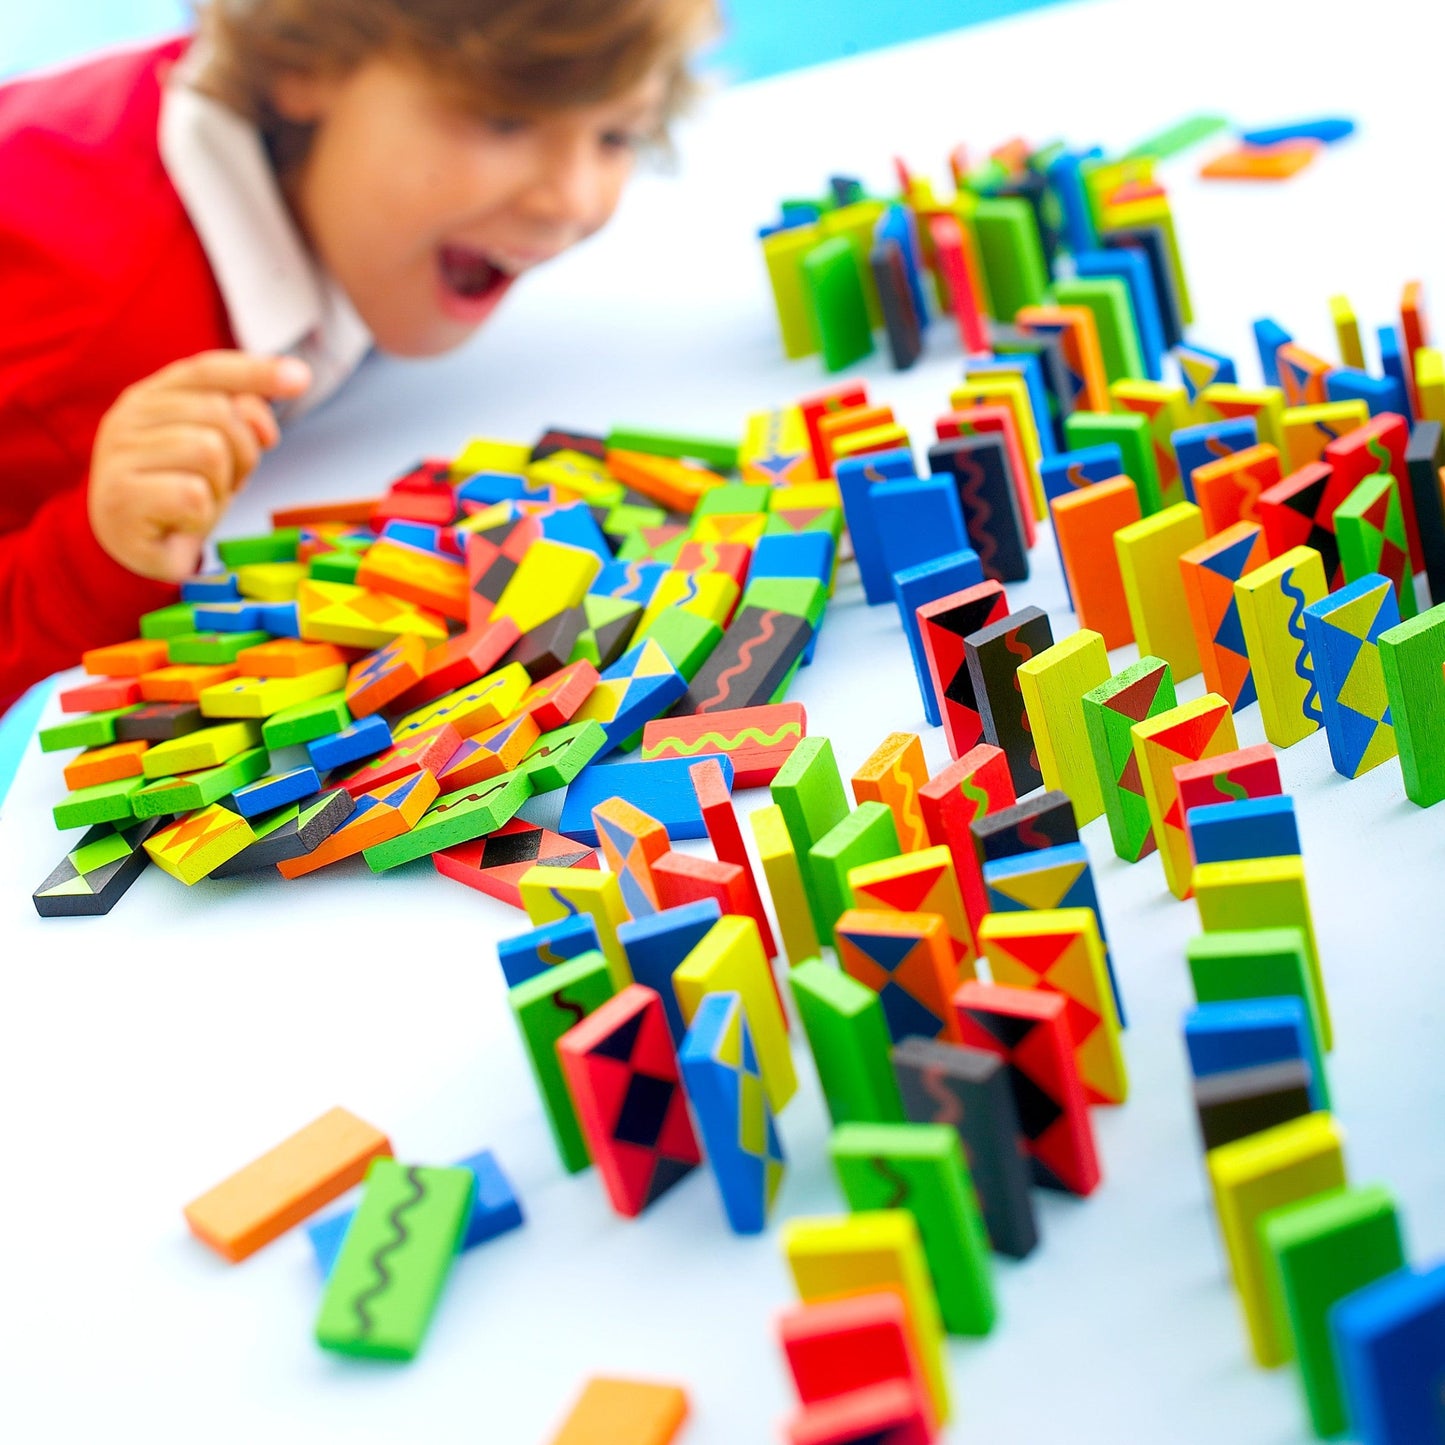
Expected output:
(177, 555)
(178, 501)
(260, 418)
(184, 447)
(161, 410)
(237, 371)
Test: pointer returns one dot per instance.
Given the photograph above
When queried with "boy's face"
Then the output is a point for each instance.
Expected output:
(424, 213)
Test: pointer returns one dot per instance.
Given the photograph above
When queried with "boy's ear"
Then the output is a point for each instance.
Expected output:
(303, 97)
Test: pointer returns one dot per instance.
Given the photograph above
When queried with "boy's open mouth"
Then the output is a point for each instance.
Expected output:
(471, 281)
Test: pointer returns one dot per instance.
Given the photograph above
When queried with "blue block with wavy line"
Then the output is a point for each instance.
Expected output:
(528, 954)
(1196, 446)
(858, 478)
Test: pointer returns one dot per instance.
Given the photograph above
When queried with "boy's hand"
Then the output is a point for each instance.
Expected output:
(174, 448)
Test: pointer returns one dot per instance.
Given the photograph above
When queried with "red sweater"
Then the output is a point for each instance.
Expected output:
(103, 281)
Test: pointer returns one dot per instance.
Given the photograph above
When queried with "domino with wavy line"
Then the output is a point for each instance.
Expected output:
(750, 664)
(1272, 600)
(549, 893)
(756, 740)
(976, 784)
(395, 1259)
(1228, 778)
(979, 468)
(967, 1090)
(994, 655)
(545, 1008)
(892, 775)
(921, 1168)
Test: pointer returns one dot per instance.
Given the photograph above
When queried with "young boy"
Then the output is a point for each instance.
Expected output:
(200, 236)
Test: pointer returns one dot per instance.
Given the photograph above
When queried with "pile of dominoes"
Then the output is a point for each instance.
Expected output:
(498, 624)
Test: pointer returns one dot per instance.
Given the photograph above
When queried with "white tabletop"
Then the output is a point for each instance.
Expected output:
(145, 1055)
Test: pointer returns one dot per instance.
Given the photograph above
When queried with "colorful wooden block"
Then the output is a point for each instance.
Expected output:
(276, 791)
(994, 655)
(1300, 511)
(1130, 433)
(549, 893)
(105, 695)
(641, 684)
(1246, 828)
(975, 784)
(905, 958)
(107, 764)
(1379, 446)
(94, 875)
(730, 958)
(1272, 601)
(1370, 529)
(785, 882)
(1167, 407)
(384, 675)
(205, 748)
(922, 882)
(875, 1249)
(1227, 490)
(1028, 1030)
(1309, 431)
(285, 1185)
(379, 817)
(1085, 522)
(918, 587)
(359, 740)
(1148, 554)
(125, 659)
(1234, 1034)
(305, 722)
(1209, 572)
(91, 730)
(290, 832)
(288, 657)
(631, 842)
(893, 775)
(1053, 684)
(526, 955)
(943, 626)
(621, 1070)
(1252, 1176)
(1263, 893)
(756, 740)
(848, 1037)
(1244, 1102)
(358, 617)
(890, 1412)
(1043, 821)
(193, 845)
(979, 469)
(1412, 655)
(864, 836)
(810, 793)
(637, 1411)
(1245, 773)
(1424, 456)
(496, 863)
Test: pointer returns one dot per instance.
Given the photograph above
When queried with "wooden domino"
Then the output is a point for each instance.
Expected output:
(757, 740)
(290, 832)
(907, 959)
(1300, 512)
(683, 878)
(631, 841)
(639, 1412)
(1242, 1102)
(944, 625)
(973, 785)
(893, 775)
(285, 1185)
(714, 800)
(866, 835)
(922, 882)
(1272, 601)
(810, 794)
(204, 748)
(1209, 573)
(1370, 529)
(1053, 683)
(994, 655)
(785, 882)
(1085, 522)
(1045, 821)
(380, 816)
(1412, 657)
(106, 764)
(550, 893)
(657, 943)
(751, 663)
(662, 788)
(621, 1070)
(191, 846)
(95, 874)
(1379, 446)
(1148, 552)
(890, 1412)
(1245, 773)
(1227, 491)
(382, 676)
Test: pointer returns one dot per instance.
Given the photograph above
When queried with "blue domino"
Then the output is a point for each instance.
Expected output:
(927, 583)
(629, 581)
(1245, 1033)
(1392, 363)
(364, 738)
(486, 488)
(1244, 828)
(280, 619)
(422, 536)
(1221, 367)
(793, 554)
(896, 224)
(1066, 178)
(857, 479)
(228, 617)
(1132, 267)
(656, 944)
(275, 792)
(1379, 393)
(1326, 128)
(575, 525)
(1390, 1343)
(1196, 446)
(211, 587)
(918, 519)
(539, 949)
(1068, 471)
(495, 1210)
(661, 787)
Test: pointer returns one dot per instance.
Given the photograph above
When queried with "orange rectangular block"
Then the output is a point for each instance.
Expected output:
(671, 483)
(309, 512)
(1227, 491)
(290, 657)
(1261, 163)
(624, 1412)
(184, 682)
(1302, 375)
(1084, 524)
(125, 659)
(893, 776)
(286, 1185)
(416, 576)
(836, 425)
(105, 765)
(1415, 331)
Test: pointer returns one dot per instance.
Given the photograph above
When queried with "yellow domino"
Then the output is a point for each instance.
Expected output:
(886, 438)
(552, 577)
(783, 254)
(1058, 950)
(471, 709)
(1203, 728)
(270, 581)
(785, 883)
(197, 843)
(575, 476)
(1308, 430)
(1149, 553)
(1166, 405)
(861, 1253)
(204, 748)
(1430, 384)
(262, 697)
(775, 448)
(1053, 684)
(1286, 1164)
(359, 617)
(1347, 332)
(921, 882)
(893, 776)
(1271, 602)
(1258, 893)
(489, 454)
(552, 893)
(1225, 400)
(730, 959)
(807, 496)
(745, 527)
(712, 595)
(1012, 392)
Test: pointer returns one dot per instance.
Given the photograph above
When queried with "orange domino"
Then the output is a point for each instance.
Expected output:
(290, 657)
(675, 485)
(1416, 333)
(1083, 352)
(839, 424)
(382, 676)
(183, 682)
(1302, 375)
(418, 576)
(1261, 163)
(105, 765)
(310, 513)
(125, 659)
(286, 1185)
(381, 815)
(624, 1412)
(893, 776)
(1227, 491)
(1084, 524)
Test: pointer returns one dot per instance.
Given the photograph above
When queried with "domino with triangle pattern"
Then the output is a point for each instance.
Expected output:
(191, 846)
(93, 876)
(1210, 571)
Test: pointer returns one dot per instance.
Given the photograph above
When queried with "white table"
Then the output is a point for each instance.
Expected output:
(145, 1055)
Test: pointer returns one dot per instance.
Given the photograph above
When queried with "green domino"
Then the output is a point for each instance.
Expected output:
(212, 647)
(848, 1036)
(189, 791)
(1256, 963)
(804, 597)
(867, 835)
(112, 802)
(545, 1007)
(837, 303)
(394, 1260)
(336, 567)
(169, 621)
(628, 517)
(920, 1168)
(307, 721)
(88, 730)
(1110, 712)
(1129, 431)
(1011, 254)
(1319, 1251)
(1412, 656)
(281, 545)
(1107, 297)
(1362, 543)
(720, 455)
(734, 497)
(558, 756)
(456, 818)
(810, 794)
(686, 638)
(1177, 138)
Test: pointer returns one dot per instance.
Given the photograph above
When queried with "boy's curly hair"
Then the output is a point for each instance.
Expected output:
(517, 57)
